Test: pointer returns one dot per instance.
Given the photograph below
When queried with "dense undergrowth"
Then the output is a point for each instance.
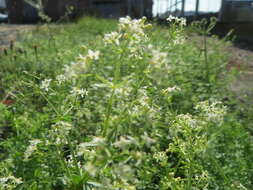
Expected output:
(93, 105)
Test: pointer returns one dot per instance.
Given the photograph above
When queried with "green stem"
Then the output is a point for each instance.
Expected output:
(62, 162)
(206, 59)
(117, 72)
(72, 152)
(108, 113)
(50, 103)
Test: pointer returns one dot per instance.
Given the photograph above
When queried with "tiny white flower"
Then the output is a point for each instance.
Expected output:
(10, 182)
(59, 132)
(125, 20)
(45, 84)
(180, 39)
(133, 29)
(35, 141)
(63, 124)
(79, 92)
(187, 119)
(171, 90)
(158, 58)
(123, 171)
(148, 140)
(112, 38)
(96, 141)
(180, 21)
(212, 111)
(82, 58)
(160, 156)
(171, 18)
(93, 55)
(31, 148)
(69, 71)
(91, 169)
(61, 78)
(124, 142)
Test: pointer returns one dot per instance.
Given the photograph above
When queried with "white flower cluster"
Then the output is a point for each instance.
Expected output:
(71, 162)
(124, 142)
(45, 84)
(9, 182)
(123, 171)
(160, 157)
(31, 148)
(61, 79)
(178, 36)
(186, 119)
(132, 31)
(92, 55)
(143, 98)
(122, 185)
(158, 58)
(171, 90)
(179, 40)
(159, 66)
(134, 26)
(96, 141)
(82, 66)
(180, 21)
(112, 38)
(59, 132)
(124, 91)
(143, 106)
(212, 112)
(79, 92)
(83, 148)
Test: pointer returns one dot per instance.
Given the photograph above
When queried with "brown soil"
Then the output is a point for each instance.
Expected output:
(242, 59)
(10, 33)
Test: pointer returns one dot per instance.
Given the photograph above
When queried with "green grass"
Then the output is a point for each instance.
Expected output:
(144, 108)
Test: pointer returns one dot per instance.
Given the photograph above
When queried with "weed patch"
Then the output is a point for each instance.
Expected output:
(96, 105)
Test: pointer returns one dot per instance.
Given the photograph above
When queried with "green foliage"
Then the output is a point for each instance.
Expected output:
(100, 106)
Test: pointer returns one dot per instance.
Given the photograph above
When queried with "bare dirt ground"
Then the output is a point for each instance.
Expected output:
(241, 58)
(12, 33)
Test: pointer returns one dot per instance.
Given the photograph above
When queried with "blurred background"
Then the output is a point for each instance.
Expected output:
(162, 6)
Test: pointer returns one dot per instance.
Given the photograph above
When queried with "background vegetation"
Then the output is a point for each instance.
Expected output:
(106, 105)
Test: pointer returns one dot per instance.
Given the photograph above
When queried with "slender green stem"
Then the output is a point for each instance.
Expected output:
(72, 152)
(108, 113)
(50, 103)
(206, 58)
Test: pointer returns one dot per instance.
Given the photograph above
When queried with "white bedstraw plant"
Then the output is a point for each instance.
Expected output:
(214, 111)
(45, 84)
(59, 133)
(125, 134)
(177, 30)
(179, 21)
(82, 66)
(131, 33)
(112, 38)
(9, 182)
(79, 92)
(31, 148)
